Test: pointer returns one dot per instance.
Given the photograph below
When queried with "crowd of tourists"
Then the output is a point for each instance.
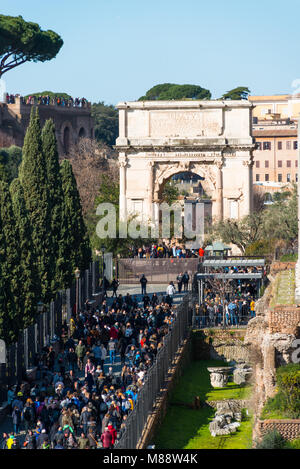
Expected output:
(234, 308)
(77, 402)
(164, 251)
(47, 100)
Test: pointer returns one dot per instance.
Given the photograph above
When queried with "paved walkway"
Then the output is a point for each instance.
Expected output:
(159, 289)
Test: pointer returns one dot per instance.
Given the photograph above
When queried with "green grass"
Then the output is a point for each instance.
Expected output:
(185, 428)
(196, 382)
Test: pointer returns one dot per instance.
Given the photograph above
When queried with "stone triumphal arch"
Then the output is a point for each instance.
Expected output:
(212, 139)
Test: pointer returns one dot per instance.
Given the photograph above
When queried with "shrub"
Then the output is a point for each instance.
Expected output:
(288, 381)
(287, 400)
(272, 440)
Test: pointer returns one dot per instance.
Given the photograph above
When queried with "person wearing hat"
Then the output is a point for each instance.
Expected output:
(16, 418)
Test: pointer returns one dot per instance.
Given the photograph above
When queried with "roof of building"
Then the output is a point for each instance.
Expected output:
(279, 97)
(217, 246)
(275, 132)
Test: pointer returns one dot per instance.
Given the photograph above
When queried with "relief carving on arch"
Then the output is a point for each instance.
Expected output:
(164, 171)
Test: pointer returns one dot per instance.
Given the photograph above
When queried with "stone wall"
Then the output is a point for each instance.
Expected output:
(280, 266)
(284, 319)
(220, 345)
(289, 429)
(239, 404)
(71, 123)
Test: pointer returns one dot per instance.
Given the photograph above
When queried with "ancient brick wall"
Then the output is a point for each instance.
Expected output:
(71, 123)
(280, 266)
(284, 319)
(289, 429)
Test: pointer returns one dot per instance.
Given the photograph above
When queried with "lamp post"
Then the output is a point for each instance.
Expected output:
(77, 277)
(103, 266)
(40, 306)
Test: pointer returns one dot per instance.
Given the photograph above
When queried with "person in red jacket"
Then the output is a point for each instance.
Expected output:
(113, 432)
(106, 439)
(201, 254)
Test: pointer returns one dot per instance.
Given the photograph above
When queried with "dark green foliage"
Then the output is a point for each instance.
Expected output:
(30, 292)
(106, 120)
(55, 201)
(286, 402)
(170, 193)
(10, 271)
(4, 173)
(241, 92)
(10, 160)
(33, 177)
(272, 440)
(169, 91)
(74, 235)
(51, 94)
(22, 41)
(288, 382)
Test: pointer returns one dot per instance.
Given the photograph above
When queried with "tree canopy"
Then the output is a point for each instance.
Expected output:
(22, 41)
(264, 228)
(106, 118)
(51, 94)
(241, 92)
(169, 91)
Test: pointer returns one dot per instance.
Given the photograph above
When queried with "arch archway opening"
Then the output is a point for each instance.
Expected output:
(185, 184)
(67, 140)
(82, 133)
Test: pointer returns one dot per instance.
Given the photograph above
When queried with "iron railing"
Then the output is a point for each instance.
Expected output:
(156, 377)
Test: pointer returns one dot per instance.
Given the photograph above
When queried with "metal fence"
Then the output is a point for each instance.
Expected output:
(21, 355)
(203, 322)
(156, 377)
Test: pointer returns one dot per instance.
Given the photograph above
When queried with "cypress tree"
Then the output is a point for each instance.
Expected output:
(11, 314)
(74, 235)
(33, 177)
(55, 195)
(31, 289)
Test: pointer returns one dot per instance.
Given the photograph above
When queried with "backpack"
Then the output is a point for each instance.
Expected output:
(27, 413)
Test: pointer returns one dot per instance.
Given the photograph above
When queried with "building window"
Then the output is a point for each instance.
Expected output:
(266, 177)
(258, 145)
(266, 164)
(296, 163)
(279, 164)
(267, 145)
(296, 177)
(288, 145)
(279, 177)
(279, 145)
(257, 178)
(295, 145)
(288, 163)
(288, 178)
(257, 164)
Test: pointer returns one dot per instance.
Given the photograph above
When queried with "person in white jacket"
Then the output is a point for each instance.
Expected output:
(171, 289)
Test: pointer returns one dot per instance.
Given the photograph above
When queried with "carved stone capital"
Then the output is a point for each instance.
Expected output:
(123, 161)
(248, 163)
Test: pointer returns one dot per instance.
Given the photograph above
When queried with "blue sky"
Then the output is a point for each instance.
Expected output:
(116, 50)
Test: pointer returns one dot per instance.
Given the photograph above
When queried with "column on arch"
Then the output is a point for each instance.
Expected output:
(122, 199)
(219, 190)
(248, 190)
(150, 190)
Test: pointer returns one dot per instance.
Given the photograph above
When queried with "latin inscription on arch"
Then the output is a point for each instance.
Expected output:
(187, 123)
